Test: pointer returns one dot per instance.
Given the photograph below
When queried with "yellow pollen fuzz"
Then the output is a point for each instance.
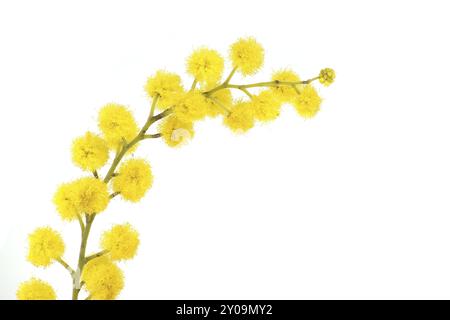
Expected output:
(45, 245)
(205, 65)
(327, 76)
(117, 125)
(103, 279)
(191, 106)
(241, 117)
(176, 132)
(66, 201)
(85, 195)
(266, 106)
(35, 289)
(93, 195)
(121, 241)
(247, 56)
(307, 103)
(133, 180)
(90, 152)
(166, 86)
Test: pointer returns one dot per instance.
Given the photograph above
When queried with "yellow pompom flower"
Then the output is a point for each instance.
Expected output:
(217, 101)
(166, 85)
(283, 92)
(205, 65)
(326, 76)
(66, 201)
(266, 106)
(307, 103)
(191, 106)
(45, 245)
(35, 289)
(247, 55)
(241, 117)
(103, 279)
(133, 180)
(121, 241)
(117, 124)
(86, 195)
(90, 152)
(176, 132)
(92, 195)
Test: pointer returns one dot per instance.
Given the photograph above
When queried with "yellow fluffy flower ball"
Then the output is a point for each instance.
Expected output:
(45, 245)
(117, 124)
(121, 241)
(205, 65)
(241, 117)
(133, 180)
(217, 101)
(247, 55)
(326, 76)
(103, 279)
(86, 195)
(307, 103)
(35, 289)
(93, 196)
(66, 201)
(283, 92)
(166, 85)
(266, 106)
(176, 132)
(191, 106)
(90, 152)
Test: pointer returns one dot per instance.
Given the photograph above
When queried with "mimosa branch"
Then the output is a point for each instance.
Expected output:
(244, 87)
(85, 228)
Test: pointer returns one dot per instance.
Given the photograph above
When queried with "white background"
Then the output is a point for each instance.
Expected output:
(351, 204)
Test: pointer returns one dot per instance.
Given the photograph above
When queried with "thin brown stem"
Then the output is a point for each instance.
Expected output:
(275, 83)
(152, 136)
(114, 194)
(161, 115)
(194, 84)
(95, 255)
(150, 116)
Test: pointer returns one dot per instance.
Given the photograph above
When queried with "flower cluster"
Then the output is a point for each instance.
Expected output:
(209, 97)
(211, 94)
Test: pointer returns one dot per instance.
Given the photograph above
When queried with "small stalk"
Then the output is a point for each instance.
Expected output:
(242, 87)
(95, 255)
